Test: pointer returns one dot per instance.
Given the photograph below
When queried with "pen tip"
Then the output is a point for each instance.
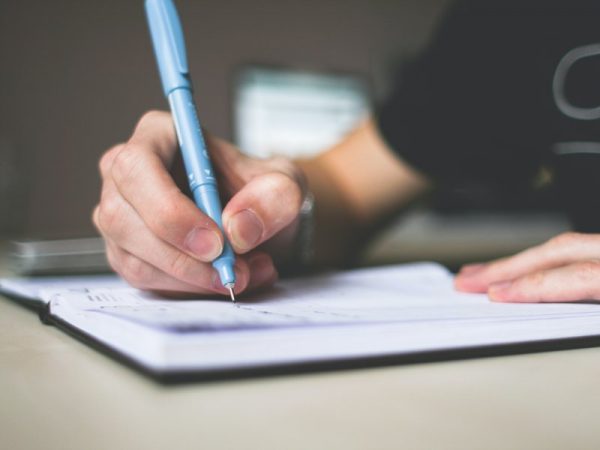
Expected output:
(230, 287)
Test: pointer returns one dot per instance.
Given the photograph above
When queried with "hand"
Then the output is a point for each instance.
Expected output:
(564, 269)
(157, 238)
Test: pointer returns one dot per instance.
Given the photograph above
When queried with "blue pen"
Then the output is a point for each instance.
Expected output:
(169, 48)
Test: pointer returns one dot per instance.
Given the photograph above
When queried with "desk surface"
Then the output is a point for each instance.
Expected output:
(56, 393)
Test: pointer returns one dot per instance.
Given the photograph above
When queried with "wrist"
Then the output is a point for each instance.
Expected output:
(300, 252)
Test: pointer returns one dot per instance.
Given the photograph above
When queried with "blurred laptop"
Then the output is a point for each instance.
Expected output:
(295, 113)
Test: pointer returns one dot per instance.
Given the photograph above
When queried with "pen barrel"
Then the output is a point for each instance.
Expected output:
(169, 49)
(206, 197)
(168, 43)
(199, 170)
(197, 163)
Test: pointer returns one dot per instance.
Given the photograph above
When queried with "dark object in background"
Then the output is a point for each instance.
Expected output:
(83, 72)
(481, 110)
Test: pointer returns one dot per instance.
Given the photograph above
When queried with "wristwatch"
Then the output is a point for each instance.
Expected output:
(303, 250)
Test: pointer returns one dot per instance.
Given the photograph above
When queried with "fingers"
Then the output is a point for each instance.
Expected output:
(142, 275)
(565, 268)
(266, 205)
(148, 263)
(564, 249)
(572, 282)
(130, 234)
(252, 274)
(139, 173)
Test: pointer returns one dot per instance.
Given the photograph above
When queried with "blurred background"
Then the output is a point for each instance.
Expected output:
(76, 75)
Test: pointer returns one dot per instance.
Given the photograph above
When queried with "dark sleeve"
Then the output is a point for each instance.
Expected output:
(463, 111)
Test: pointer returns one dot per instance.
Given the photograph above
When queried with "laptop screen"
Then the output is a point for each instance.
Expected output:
(295, 113)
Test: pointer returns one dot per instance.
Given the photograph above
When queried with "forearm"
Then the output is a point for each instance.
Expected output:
(356, 185)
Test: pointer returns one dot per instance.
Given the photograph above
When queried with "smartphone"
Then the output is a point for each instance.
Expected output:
(60, 256)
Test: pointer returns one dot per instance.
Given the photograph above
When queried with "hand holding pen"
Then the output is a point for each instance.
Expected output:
(158, 239)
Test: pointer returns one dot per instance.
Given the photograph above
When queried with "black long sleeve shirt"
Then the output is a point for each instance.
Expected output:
(504, 89)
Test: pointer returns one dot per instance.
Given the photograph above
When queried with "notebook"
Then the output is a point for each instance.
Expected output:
(363, 317)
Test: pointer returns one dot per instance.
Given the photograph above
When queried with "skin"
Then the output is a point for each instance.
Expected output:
(564, 269)
(158, 240)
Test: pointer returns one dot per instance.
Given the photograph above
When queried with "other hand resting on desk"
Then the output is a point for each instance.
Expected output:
(566, 268)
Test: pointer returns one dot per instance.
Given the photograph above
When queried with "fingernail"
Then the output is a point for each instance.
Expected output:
(245, 230)
(204, 243)
(471, 269)
(500, 291)
(469, 278)
(465, 283)
(261, 270)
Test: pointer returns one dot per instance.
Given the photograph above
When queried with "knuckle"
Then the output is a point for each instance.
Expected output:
(108, 213)
(536, 280)
(565, 239)
(588, 271)
(286, 188)
(135, 271)
(125, 164)
(152, 115)
(179, 266)
(106, 160)
(168, 209)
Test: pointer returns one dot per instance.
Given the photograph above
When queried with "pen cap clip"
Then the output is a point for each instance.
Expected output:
(169, 44)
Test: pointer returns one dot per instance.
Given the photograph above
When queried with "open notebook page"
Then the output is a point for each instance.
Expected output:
(32, 288)
(368, 312)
